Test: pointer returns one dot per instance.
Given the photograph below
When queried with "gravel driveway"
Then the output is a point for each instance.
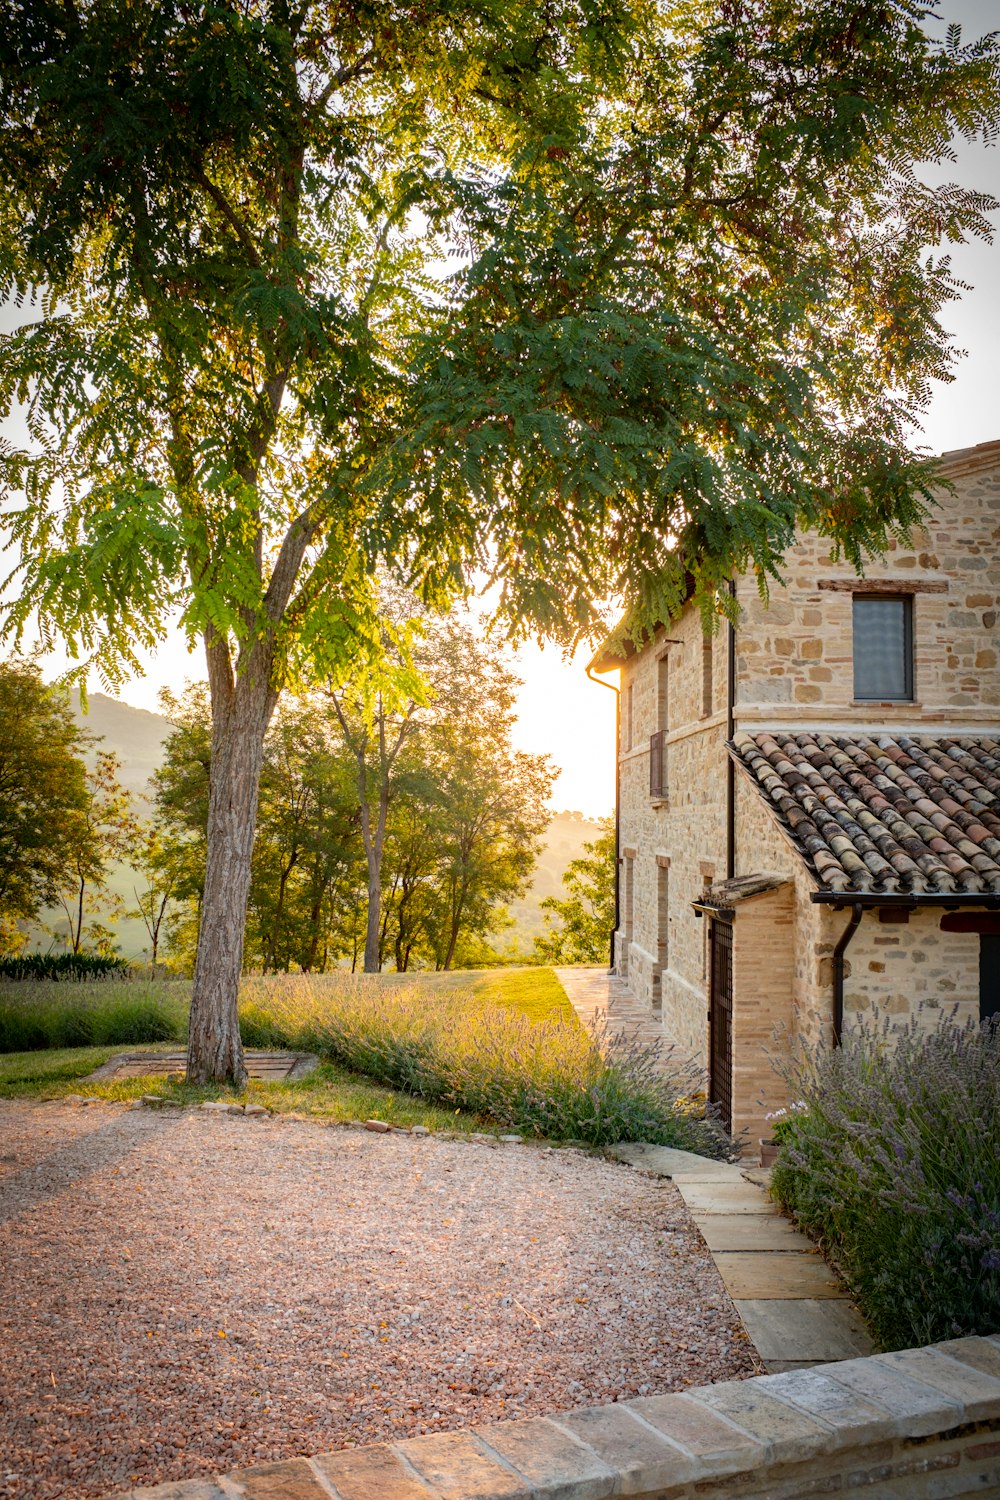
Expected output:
(184, 1293)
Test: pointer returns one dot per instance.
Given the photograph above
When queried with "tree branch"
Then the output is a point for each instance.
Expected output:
(222, 203)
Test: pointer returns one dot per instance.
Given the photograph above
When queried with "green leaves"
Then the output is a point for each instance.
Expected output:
(605, 299)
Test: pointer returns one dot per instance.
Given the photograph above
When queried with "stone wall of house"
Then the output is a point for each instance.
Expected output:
(795, 654)
(911, 969)
(672, 846)
(795, 668)
(764, 950)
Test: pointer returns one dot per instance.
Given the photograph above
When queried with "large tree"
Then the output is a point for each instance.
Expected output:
(551, 288)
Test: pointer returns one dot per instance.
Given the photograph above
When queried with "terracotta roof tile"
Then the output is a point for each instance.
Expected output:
(877, 812)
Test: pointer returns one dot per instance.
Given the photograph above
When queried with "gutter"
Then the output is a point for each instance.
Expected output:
(838, 971)
(730, 732)
(618, 780)
(908, 900)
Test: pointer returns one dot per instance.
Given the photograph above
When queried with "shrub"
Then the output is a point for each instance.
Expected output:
(893, 1165)
(37, 1015)
(74, 967)
(456, 1048)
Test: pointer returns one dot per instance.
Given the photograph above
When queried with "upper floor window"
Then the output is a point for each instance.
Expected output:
(883, 646)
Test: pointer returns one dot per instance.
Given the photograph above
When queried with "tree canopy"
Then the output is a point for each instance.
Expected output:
(43, 795)
(543, 287)
(586, 914)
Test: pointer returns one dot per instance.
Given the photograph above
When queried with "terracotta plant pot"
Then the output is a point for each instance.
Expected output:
(768, 1153)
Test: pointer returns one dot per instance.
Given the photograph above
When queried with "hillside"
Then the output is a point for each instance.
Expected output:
(136, 736)
(564, 840)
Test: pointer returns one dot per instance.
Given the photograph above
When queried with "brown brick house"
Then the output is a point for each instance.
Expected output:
(809, 806)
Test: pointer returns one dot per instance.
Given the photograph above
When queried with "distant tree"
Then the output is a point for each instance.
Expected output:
(43, 794)
(104, 829)
(160, 860)
(378, 710)
(493, 810)
(307, 864)
(578, 926)
(687, 304)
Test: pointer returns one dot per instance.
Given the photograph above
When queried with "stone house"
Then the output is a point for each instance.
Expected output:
(809, 805)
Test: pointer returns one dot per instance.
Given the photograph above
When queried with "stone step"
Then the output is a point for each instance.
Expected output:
(804, 1328)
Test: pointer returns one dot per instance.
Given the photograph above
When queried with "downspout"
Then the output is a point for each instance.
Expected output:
(838, 971)
(618, 778)
(730, 731)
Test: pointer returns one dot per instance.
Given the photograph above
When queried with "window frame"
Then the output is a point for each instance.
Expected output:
(900, 596)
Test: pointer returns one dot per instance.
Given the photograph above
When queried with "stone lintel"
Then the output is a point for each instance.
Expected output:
(885, 585)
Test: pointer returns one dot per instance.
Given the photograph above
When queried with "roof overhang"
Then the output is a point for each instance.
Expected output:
(907, 900)
(961, 461)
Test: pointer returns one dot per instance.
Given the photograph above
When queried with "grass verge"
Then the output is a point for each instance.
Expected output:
(502, 1046)
(328, 1093)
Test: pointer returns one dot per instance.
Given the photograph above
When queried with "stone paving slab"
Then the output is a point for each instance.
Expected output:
(725, 1197)
(748, 1274)
(757, 1232)
(593, 992)
(809, 1329)
(679, 1166)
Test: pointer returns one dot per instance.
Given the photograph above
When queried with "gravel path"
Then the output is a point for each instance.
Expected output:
(185, 1293)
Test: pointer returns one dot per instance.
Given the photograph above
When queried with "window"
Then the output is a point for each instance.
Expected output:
(883, 646)
(663, 693)
(662, 914)
(657, 767)
(706, 676)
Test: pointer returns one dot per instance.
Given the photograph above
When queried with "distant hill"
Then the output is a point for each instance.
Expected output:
(136, 736)
(564, 840)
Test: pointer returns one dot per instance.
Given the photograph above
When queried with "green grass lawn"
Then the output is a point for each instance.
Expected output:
(329, 1092)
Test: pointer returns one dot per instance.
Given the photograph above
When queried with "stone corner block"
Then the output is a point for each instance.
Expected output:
(719, 1447)
(916, 1410)
(978, 1392)
(555, 1464)
(858, 1419)
(293, 1479)
(456, 1467)
(789, 1435)
(641, 1457)
(983, 1354)
(371, 1473)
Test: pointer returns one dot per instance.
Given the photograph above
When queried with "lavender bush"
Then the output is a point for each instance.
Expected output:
(894, 1165)
(547, 1078)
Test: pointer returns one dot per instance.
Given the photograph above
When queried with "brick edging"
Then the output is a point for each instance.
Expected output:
(885, 1425)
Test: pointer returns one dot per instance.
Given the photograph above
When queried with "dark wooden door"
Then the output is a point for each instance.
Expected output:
(720, 1018)
(989, 975)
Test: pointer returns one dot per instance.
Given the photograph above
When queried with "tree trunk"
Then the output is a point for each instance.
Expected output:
(374, 842)
(240, 717)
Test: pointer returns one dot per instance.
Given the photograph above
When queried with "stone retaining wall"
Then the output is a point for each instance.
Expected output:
(923, 1424)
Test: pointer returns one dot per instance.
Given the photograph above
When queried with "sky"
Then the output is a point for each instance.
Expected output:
(572, 719)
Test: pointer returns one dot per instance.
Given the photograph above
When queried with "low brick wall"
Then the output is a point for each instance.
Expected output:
(923, 1424)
